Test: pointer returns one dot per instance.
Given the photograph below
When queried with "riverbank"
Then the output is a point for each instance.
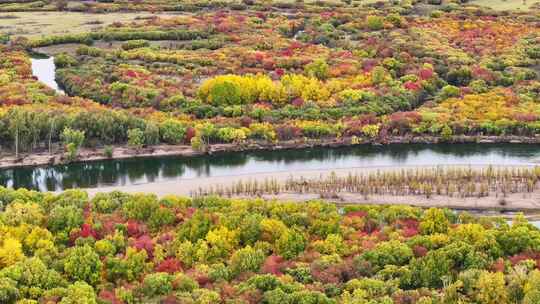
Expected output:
(512, 202)
(43, 158)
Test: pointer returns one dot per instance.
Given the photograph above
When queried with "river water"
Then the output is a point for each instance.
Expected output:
(166, 169)
(44, 69)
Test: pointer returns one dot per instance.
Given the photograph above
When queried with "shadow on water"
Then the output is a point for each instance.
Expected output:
(155, 170)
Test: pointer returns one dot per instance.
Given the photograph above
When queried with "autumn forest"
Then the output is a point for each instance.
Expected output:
(174, 78)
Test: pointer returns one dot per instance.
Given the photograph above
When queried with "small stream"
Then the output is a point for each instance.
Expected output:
(44, 70)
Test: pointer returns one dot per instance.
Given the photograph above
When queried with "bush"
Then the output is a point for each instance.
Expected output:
(64, 60)
(135, 138)
(108, 151)
(79, 293)
(172, 132)
(64, 219)
(157, 284)
(140, 207)
(134, 44)
(375, 23)
(83, 264)
(318, 69)
(246, 259)
(73, 139)
(290, 244)
(388, 253)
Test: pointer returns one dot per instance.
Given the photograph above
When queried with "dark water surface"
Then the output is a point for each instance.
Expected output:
(155, 170)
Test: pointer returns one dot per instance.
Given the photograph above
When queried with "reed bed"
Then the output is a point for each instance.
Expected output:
(449, 181)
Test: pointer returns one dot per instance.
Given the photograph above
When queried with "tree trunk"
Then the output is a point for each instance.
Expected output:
(17, 143)
(50, 137)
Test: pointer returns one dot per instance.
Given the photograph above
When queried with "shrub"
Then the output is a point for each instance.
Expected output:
(157, 284)
(374, 23)
(246, 259)
(172, 132)
(108, 151)
(64, 60)
(134, 44)
(79, 293)
(318, 69)
(83, 264)
(290, 244)
(388, 253)
(140, 207)
(135, 138)
(73, 139)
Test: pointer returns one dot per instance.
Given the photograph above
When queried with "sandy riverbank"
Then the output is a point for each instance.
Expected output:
(184, 187)
(44, 158)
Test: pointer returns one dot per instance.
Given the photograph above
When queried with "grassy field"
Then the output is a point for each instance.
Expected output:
(36, 24)
(502, 5)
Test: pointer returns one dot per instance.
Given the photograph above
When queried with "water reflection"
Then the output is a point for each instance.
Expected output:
(153, 170)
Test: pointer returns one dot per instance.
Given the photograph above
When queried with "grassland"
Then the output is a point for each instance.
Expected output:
(37, 24)
(506, 5)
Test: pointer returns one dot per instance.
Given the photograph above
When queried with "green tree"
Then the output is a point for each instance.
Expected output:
(434, 221)
(135, 138)
(491, 288)
(448, 91)
(83, 264)
(388, 253)
(129, 268)
(157, 284)
(431, 270)
(532, 288)
(8, 290)
(19, 212)
(225, 93)
(17, 127)
(140, 206)
(65, 218)
(196, 228)
(79, 293)
(246, 259)
(64, 60)
(375, 23)
(161, 217)
(446, 133)
(290, 244)
(32, 278)
(73, 140)
(172, 131)
(318, 69)
(151, 134)
(222, 242)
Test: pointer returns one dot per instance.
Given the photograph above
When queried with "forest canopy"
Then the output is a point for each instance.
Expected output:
(137, 248)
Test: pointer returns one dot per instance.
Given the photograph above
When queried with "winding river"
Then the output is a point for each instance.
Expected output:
(44, 70)
(176, 172)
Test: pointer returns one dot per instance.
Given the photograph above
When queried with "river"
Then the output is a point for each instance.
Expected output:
(44, 70)
(175, 171)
